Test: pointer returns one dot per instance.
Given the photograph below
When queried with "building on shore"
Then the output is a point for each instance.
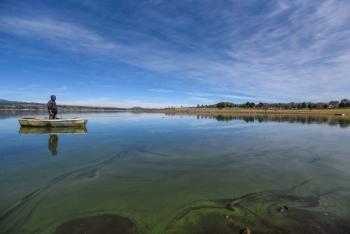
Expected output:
(333, 104)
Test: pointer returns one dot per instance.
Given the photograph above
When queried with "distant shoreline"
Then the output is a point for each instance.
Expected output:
(39, 107)
(218, 111)
(192, 111)
(13, 106)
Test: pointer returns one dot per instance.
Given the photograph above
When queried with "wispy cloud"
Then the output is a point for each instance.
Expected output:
(214, 97)
(290, 51)
(161, 90)
(304, 56)
(62, 34)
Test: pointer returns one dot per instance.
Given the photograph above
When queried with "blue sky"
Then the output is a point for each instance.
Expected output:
(164, 53)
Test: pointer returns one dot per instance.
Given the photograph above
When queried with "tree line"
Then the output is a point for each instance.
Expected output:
(344, 103)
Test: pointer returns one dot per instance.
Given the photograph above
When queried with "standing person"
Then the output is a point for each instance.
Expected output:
(52, 107)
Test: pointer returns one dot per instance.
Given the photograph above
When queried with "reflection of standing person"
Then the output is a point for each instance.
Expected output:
(53, 143)
(52, 107)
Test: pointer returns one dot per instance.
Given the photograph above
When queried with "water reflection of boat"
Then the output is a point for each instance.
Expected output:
(53, 134)
(43, 122)
(52, 130)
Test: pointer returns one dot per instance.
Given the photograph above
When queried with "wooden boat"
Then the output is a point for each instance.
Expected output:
(44, 122)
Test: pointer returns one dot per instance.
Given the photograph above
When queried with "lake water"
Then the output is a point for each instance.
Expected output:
(156, 173)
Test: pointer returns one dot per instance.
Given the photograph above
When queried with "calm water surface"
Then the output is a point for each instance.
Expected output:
(153, 173)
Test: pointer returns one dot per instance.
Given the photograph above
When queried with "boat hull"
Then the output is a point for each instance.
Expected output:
(36, 122)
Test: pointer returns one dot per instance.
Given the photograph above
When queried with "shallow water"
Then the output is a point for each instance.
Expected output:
(157, 173)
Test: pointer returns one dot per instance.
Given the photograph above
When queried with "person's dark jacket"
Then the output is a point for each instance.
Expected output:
(51, 105)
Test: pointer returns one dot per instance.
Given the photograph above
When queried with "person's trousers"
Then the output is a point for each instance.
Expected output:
(52, 115)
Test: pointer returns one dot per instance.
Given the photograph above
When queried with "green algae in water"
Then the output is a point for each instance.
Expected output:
(178, 175)
(103, 224)
(296, 221)
(264, 212)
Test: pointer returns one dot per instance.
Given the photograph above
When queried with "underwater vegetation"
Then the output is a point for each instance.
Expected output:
(103, 224)
(263, 212)
(21, 211)
(271, 211)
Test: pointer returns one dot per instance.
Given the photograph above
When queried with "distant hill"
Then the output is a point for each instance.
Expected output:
(3, 101)
(6, 105)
